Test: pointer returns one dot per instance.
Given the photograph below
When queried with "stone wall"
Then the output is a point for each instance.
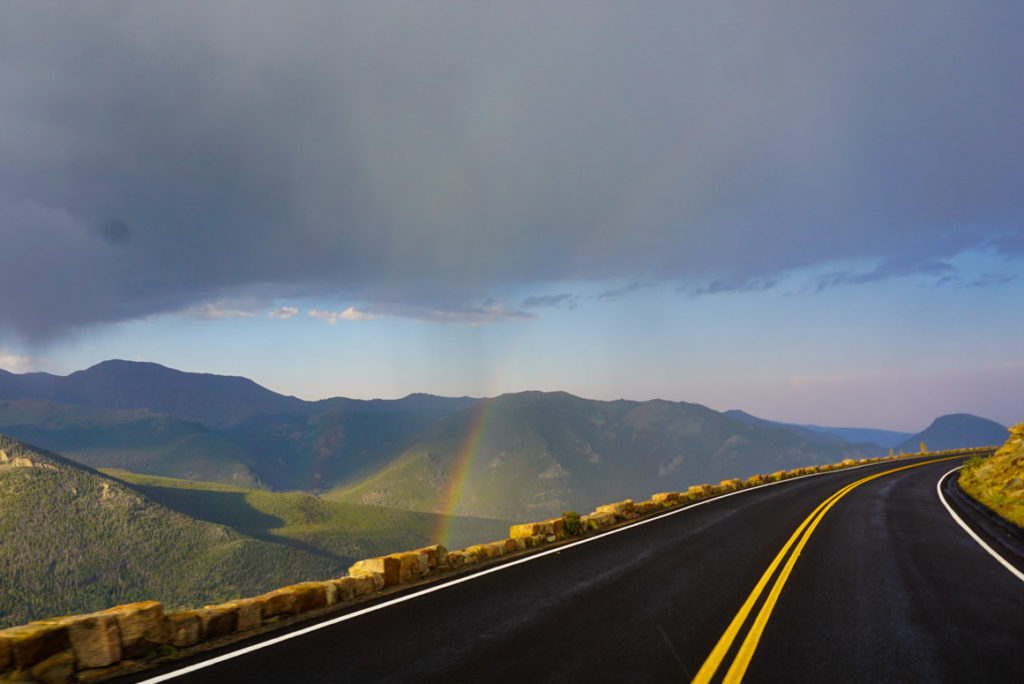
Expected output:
(117, 640)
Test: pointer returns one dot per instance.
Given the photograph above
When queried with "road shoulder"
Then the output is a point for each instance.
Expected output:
(1005, 538)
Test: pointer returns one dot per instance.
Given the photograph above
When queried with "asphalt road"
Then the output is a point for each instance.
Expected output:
(887, 587)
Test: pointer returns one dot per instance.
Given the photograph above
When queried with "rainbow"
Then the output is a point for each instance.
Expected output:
(463, 461)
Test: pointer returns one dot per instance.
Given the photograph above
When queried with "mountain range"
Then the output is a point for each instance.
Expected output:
(509, 457)
(539, 453)
(828, 435)
(956, 431)
(214, 487)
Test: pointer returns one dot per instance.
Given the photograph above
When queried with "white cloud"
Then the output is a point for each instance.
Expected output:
(20, 364)
(218, 310)
(349, 314)
(284, 313)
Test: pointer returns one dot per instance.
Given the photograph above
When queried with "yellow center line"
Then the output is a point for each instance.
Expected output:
(803, 533)
(710, 665)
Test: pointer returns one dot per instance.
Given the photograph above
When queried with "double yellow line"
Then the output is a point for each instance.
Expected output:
(799, 539)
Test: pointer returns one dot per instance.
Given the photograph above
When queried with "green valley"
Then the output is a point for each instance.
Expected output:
(331, 528)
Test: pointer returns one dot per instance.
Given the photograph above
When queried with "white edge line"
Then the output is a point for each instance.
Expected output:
(497, 568)
(1006, 564)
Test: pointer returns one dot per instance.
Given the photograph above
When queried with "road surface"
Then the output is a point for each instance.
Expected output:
(878, 583)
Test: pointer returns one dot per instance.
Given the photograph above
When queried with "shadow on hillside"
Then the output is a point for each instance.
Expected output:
(345, 561)
(232, 510)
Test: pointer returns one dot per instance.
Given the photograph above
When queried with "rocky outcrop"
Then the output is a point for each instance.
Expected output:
(14, 461)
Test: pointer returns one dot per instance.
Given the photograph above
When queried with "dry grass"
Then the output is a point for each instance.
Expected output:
(998, 481)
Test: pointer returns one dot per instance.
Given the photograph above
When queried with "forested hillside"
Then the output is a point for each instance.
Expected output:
(135, 439)
(75, 540)
(536, 454)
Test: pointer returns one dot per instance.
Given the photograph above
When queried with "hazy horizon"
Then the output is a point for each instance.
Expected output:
(607, 398)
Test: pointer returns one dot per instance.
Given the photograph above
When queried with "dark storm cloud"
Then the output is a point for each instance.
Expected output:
(116, 232)
(619, 292)
(551, 301)
(749, 285)
(432, 155)
(891, 268)
(989, 279)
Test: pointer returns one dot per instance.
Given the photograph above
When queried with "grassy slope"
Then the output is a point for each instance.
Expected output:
(137, 440)
(75, 540)
(998, 481)
(338, 529)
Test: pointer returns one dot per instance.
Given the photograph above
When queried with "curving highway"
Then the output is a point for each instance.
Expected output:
(856, 575)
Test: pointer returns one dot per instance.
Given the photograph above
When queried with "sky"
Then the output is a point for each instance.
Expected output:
(810, 211)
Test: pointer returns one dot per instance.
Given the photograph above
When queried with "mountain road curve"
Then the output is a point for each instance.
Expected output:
(854, 575)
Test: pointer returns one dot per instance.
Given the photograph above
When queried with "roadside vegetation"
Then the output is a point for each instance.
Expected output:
(998, 481)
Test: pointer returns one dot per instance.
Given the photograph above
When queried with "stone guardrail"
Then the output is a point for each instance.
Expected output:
(122, 639)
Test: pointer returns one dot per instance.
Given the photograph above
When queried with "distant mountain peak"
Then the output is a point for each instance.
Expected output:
(818, 433)
(113, 363)
(150, 369)
(957, 431)
(202, 398)
(962, 418)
